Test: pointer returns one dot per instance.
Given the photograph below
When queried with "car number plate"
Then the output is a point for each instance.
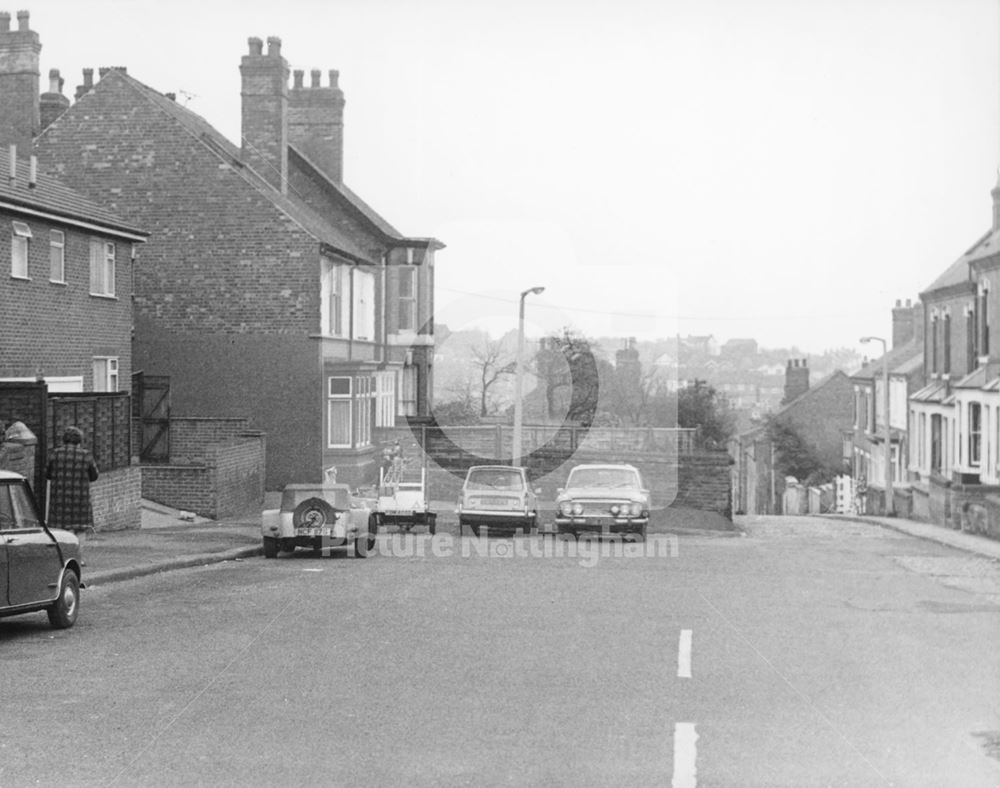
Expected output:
(324, 531)
(496, 502)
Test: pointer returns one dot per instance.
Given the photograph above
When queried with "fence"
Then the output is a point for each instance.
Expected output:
(106, 422)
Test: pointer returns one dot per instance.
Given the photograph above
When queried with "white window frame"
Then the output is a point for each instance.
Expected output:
(407, 300)
(57, 257)
(363, 304)
(102, 268)
(385, 395)
(106, 369)
(337, 401)
(333, 284)
(20, 243)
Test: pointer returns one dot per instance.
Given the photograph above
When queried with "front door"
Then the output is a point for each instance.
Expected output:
(32, 555)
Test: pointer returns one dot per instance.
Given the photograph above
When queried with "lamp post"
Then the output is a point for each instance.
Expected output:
(890, 506)
(519, 375)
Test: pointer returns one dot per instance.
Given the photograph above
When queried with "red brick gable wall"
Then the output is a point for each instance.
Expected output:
(221, 256)
(821, 417)
(57, 329)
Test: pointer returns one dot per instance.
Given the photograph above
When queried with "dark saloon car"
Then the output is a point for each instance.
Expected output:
(39, 566)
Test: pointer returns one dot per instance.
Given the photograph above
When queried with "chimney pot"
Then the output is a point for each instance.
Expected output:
(4, 21)
(273, 46)
(899, 302)
(55, 83)
(297, 77)
(314, 75)
(334, 76)
(22, 21)
(256, 45)
(88, 78)
(32, 171)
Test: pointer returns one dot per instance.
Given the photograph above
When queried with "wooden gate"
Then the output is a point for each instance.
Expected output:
(151, 400)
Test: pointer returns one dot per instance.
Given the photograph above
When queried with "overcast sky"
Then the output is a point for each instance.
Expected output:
(775, 169)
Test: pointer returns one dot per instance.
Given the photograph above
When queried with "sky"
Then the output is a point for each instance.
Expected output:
(774, 169)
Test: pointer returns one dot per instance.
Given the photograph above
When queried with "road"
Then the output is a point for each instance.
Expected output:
(805, 653)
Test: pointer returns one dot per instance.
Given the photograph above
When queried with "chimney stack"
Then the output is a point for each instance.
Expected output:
(796, 379)
(53, 103)
(265, 111)
(904, 326)
(19, 82)
(316, 123)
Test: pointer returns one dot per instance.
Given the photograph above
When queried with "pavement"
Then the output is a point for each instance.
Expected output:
(170, 539)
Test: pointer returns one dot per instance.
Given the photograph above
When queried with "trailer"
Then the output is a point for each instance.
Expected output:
(402, 498)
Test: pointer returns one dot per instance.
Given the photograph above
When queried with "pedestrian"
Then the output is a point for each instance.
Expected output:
(70, 470)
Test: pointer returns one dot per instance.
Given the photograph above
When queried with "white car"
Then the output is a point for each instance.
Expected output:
(497, 496)
(603, 499)
(318, 517)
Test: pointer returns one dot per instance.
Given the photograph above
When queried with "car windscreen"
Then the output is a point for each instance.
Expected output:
(494, 479)
(603, 477)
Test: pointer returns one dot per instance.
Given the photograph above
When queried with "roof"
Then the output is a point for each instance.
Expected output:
(290, 204)
(812, 390)
(959, 271)
(50, 198)
(902, 360)
(935, 391)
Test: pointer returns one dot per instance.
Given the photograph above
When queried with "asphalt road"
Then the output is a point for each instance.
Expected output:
(806, 653)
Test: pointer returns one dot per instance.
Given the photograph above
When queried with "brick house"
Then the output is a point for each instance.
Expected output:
(269, 290)
(66, 264)
(864, 445)
(818, 414)
(955, 417)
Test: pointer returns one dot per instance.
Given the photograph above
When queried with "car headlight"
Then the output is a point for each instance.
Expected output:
(615, 508)
(577, 508)
(635, 509)
(566, 508)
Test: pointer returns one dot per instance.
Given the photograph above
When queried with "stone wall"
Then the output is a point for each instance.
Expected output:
(116, 499)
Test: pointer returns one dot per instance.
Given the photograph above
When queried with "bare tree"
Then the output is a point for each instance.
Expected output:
(490, 360)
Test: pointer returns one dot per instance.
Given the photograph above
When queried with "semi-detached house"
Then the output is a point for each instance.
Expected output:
(268, 289)
(955, 418)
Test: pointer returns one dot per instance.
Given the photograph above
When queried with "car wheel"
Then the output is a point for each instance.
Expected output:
(531, 526)
(313, 512)
(432, 524)
(270, 547)
(63, 612)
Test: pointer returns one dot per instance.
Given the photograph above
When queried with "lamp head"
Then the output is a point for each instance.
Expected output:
(535, 290)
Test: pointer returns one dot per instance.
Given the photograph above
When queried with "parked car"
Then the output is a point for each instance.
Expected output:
(318, 516)
(603, 499)
(497, 496)
(39, 566)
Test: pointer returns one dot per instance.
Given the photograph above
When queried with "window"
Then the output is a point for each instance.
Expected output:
(407, 299)
(339, 413)
(947, 344)
(984, 322)
(333, 284)
(408, 391)
(937, 435)
(106, 374)
(385, 394)
(102, 268)
(975, 432)
(19, 250)
(364, 410)
(934, 344)
(971, 346)
(57, 256)
(364, 305)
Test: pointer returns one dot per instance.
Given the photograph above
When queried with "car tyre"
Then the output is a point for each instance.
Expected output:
(328, 513)
(63, 612)
(270, 547)
(432, 524)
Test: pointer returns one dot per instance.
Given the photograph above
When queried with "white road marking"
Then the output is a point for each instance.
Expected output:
(685, 756)
(684, 655)
(312, 570)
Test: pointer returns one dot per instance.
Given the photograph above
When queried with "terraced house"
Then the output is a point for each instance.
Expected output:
(954, 420)
(269, 289)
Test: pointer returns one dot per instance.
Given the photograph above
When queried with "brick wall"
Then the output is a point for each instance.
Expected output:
(227, 480)
(116, 499)
(57, 329)
(190, 436)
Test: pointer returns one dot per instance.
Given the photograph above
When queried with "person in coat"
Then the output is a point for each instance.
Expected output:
(70, 470)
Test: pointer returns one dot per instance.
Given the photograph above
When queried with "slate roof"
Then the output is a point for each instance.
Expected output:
(902, 361)
(49, 196)
(311, 221)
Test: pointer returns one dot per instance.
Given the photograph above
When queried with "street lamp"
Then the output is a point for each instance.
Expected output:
(890, 507)
(519, 375)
